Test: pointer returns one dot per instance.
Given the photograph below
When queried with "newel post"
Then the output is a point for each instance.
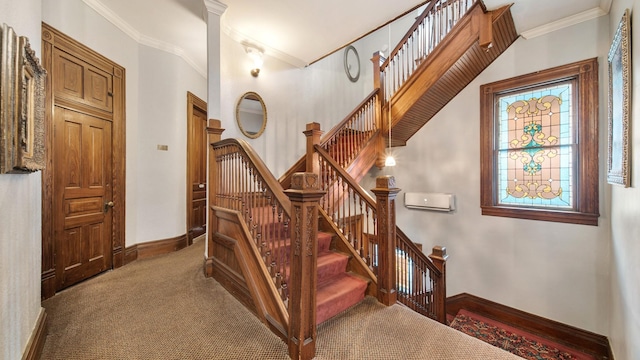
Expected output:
(313, 134)
(439, 258)
(386, 192)
(214, 134)
(304, 195)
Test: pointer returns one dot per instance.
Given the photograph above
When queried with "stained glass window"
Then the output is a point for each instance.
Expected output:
(539, 145)
(535, 147)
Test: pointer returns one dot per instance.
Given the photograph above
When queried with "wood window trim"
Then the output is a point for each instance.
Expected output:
(586, 209)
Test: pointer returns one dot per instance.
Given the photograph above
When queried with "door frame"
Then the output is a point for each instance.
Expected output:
(193, 102)
(52, 38)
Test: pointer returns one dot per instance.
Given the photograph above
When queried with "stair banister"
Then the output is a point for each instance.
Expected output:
(386, 192)
(304, 195)
(439, 257)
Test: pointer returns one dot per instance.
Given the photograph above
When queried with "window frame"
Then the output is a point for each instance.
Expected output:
(586, 193)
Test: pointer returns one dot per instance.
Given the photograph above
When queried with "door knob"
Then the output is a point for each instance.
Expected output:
(108, 205)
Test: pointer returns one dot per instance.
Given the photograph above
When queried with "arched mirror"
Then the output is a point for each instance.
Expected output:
(251, 115)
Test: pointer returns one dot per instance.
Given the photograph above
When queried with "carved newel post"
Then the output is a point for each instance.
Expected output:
(439, 258)
(313, 134)
(304, 196)
(386, 192)
(214, 134)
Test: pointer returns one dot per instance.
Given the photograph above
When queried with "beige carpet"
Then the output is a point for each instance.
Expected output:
(164, 308)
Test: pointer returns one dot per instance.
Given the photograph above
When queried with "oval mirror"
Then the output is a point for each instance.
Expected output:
(251, 115)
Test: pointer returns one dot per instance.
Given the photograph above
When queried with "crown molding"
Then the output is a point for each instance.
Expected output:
(566, 22)
(140, 38)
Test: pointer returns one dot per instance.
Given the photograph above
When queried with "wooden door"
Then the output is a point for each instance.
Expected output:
(83, 184)
(83, 195)
(196, 166)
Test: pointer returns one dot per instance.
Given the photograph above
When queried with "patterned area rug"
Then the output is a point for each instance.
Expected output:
(513, 340)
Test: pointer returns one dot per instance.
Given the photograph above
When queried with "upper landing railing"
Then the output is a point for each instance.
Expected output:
(436, 21)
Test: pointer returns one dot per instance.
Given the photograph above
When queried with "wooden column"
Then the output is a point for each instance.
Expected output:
(386, 192)
(304, 195)
(214, 134)
(439, 257)
(313, 134)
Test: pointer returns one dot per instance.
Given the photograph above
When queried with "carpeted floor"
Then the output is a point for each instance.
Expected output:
(164, 308)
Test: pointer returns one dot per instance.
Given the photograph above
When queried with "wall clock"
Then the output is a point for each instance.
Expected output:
(351, 63)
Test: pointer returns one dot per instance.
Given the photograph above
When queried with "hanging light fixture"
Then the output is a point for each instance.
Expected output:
(389, 161)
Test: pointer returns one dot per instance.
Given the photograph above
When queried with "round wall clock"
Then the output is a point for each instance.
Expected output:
(352, 63)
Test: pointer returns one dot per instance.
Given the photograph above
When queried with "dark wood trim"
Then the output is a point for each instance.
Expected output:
(159, 247)
(584, 75)
(130, 254)
(33, 350)
(583, 340)
(52, 38)
(193, 102)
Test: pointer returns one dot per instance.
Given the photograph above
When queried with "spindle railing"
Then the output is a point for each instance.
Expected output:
(245, 185)
(435, 22)
(351, 210)
(345, 140)
(417, 278)
(419, 283)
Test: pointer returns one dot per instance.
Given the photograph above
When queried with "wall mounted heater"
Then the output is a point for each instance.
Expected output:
(429, 201)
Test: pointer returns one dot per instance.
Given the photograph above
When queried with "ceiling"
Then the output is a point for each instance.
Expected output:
(300, 32)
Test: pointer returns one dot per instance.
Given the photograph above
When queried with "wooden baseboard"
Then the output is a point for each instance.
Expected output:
(586, 341)
(35, 344)
(130, 254)
(48, 284)
(159, 247)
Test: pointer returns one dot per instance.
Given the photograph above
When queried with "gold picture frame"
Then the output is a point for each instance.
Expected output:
(619, 59)
(22, 84)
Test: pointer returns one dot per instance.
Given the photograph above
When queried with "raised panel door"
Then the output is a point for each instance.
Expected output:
(82, 188)
(78, 81)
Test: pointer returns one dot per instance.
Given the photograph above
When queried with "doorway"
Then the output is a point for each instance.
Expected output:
(83, 183)
(196, 167)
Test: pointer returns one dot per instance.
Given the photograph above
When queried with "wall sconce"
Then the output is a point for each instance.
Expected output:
(255, 55)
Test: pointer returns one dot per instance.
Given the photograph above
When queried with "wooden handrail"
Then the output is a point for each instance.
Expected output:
(371, 101)
(270, 181)
(244, 184)
(332, 133)
(427, 32)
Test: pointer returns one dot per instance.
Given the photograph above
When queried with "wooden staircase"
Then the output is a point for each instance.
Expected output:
(264, 245)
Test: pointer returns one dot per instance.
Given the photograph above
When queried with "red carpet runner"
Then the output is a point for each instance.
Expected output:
(513, 340)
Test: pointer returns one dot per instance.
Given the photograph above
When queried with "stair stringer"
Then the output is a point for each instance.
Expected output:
(233, 239)
(454, 63)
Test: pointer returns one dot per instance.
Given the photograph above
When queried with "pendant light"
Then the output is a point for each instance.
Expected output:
(389, 161)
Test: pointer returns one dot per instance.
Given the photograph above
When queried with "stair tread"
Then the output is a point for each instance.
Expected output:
(337, 294)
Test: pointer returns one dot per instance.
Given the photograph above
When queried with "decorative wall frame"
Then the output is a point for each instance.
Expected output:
(22, 81)
(618, 164)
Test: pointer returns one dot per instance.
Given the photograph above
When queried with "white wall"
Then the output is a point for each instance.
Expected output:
(319, 93)
(160, 176)
(20, 220)
(559, 271)
(156, 86)
(625, 205)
